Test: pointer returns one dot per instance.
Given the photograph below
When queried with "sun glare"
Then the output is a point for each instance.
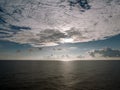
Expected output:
(67, 40)
(66, 59)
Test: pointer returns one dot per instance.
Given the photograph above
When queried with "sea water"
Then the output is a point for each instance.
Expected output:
(59, 75)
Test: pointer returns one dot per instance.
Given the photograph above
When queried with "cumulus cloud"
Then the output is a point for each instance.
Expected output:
(51, 22)
(106, 52)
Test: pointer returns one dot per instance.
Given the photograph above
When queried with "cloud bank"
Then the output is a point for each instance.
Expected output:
(51, 22)
(106, 52)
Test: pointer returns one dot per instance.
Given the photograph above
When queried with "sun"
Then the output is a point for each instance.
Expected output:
(67, 40)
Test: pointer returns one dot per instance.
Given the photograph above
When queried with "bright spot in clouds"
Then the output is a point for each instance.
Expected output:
(67, 40)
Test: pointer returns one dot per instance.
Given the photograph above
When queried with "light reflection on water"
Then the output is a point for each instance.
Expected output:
(55, 75)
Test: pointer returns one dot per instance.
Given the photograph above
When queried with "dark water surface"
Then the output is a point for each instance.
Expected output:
(60, 75)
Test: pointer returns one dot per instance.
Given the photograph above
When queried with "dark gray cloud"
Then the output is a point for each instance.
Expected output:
(51, 35)
(106, 52)
(48, 36)
(78, 34)
(2, 21)
(14, 27)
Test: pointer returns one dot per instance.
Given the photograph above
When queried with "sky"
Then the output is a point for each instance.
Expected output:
(59, 29)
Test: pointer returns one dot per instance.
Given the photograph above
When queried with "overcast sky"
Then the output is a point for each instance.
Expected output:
(59, 29)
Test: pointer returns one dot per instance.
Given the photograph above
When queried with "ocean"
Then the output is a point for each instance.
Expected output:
(59, 75)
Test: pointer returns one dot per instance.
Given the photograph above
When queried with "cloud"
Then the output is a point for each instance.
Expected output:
(18, 51)
(64, 48)
(43, 38)
(72, 48)
(51, 22)
(106, 52)
(83, 3)
(13, 27)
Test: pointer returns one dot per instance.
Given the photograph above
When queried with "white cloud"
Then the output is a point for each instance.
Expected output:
(101, 21)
